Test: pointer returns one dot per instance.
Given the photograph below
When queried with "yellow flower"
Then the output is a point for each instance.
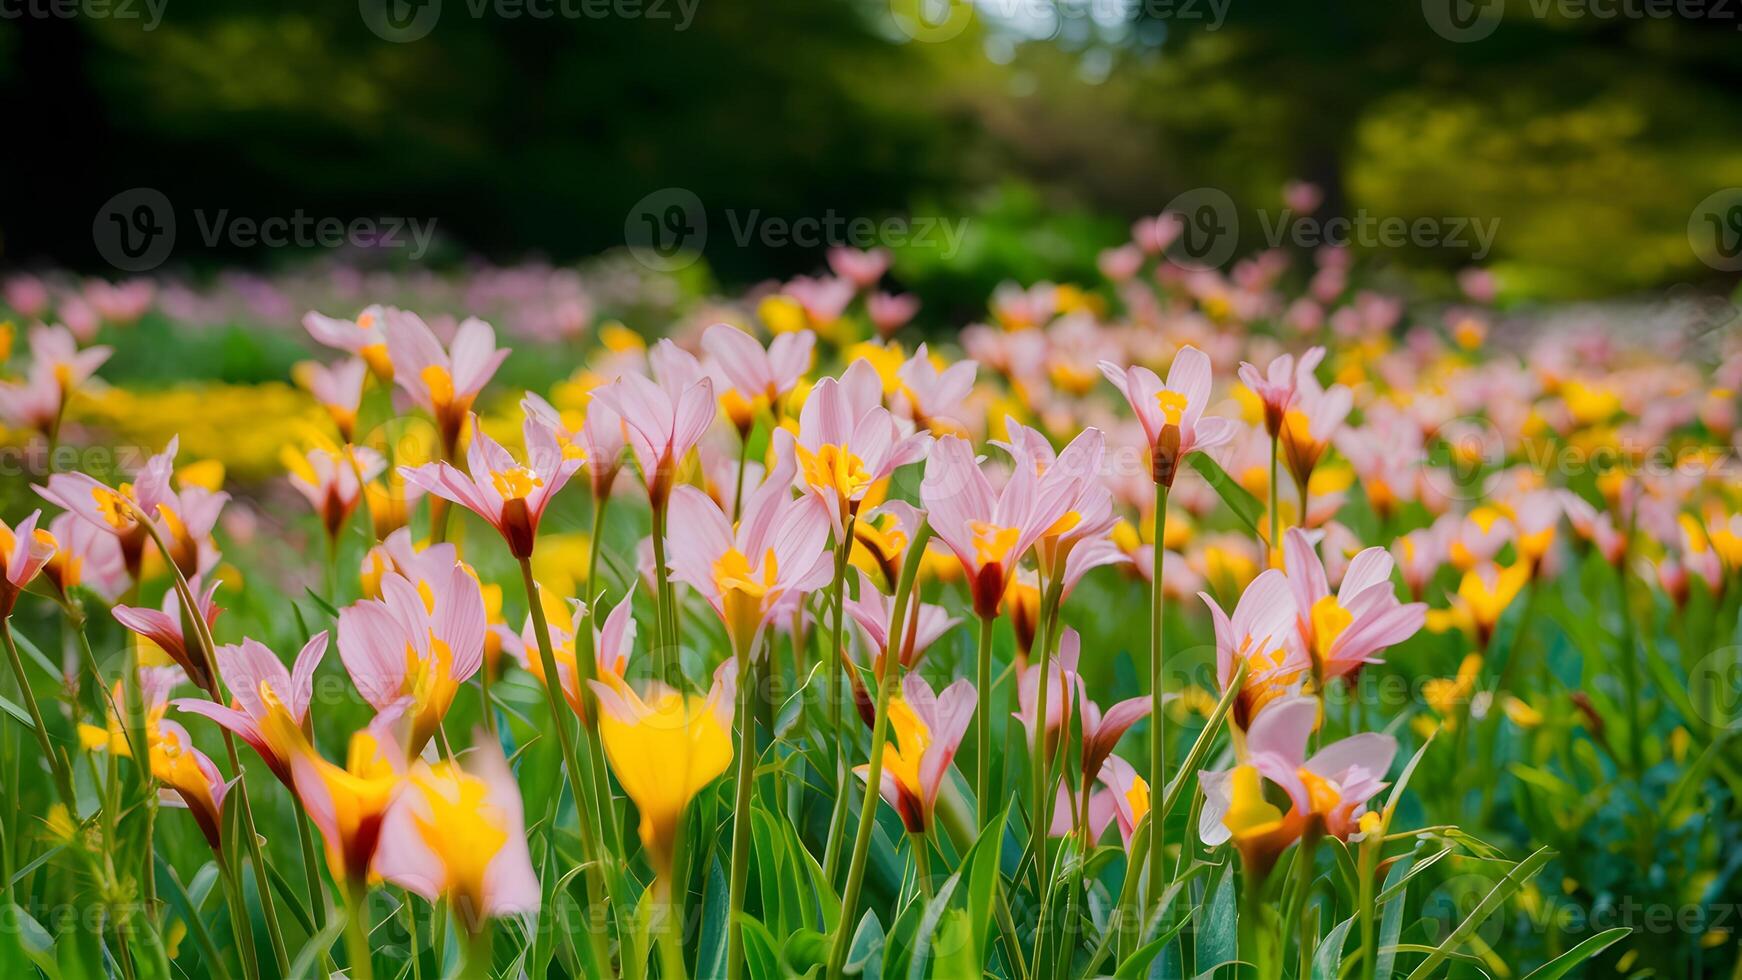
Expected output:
(665, 750)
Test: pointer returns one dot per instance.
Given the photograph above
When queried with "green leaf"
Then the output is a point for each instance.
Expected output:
(316, 947)
(22, 716)
(1243, 504)
(1521, 872)
(1216, 925)
(1391, 918)
(862, 955)
(982, 864)
(759, 954)
(928, 923)
(1563, 964)
(1330, 953)
(805, 950)
(711, 958)
(33, 940)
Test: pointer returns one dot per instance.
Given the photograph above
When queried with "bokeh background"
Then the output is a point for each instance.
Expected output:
(1591, 131)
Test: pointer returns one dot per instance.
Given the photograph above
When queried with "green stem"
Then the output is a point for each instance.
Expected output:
(663, 652)
(1630, 671)
(837, 670)
(670, 933)
(921, 864)
(558, 714)
(413, 953)
(1157, 745)
(741, 813)
(1304, 867)
(1368, 861)
(586, 667)
(480, 949)
(982, 727)
(874, 774)
(357, 933)
(62, 779)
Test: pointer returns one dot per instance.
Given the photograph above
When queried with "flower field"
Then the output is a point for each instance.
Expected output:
(1270, 621)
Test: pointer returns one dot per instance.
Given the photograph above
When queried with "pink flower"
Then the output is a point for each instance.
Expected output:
(988, 532)
(599, 439)
(397, 555)
(419, 641)
(757, 377)
(1120, 264)
(932, 398)
(163, 627)
(872, 611)
(824, 300)
(184, 518)
(57, 369)
(1172, 414)
(1333, 785)
(778, 547)
(443, 381)
(85, 557)
(1154, 235)
(1277, 387)
(890, 312)
(260, 686)
(510, 495)
(847, 441)
(331, 480)
(1302, 196)
(339, 389)
(927, 730)
(365, 336)
(612, 643)
(1348, 629)
(861, 268)
(461, 834)
(1312, 418)
(23, 552)
(662, 421)
(1262, 633)
(1075, 472)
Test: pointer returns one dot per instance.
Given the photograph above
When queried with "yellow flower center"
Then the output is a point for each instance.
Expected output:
(440, 384)
(1249, 813)
(992, 543)
(902, 759)
(834, 468)
(1173, 405)
(517, 483)
(1329, 620)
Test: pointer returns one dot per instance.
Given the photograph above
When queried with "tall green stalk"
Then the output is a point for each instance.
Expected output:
(837, 696)
(593, 874)
(586, 666)
(874, 776)
(1157, 745)
(208, 651)
(740, 883)
(982, 726)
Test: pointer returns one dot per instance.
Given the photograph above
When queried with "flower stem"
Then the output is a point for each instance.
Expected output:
(594, 883)
(62, 779)
(665, 638)
(836, 670)
(741, 813)
(480, 947)
(983, 726)
(1157, 745)
(874, 776)
(586, 667)
(357, 933)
